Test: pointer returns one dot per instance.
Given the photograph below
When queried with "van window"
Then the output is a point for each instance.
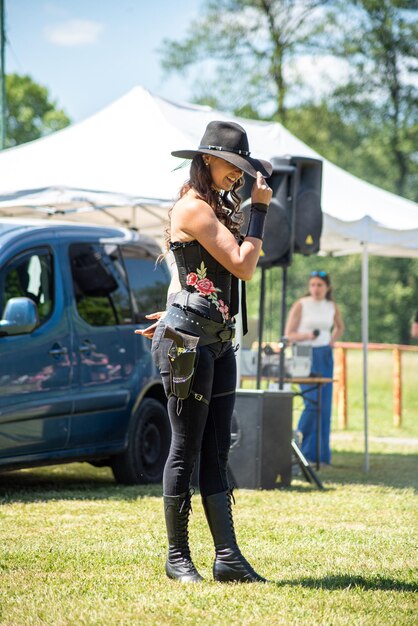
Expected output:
(148, 280)
(100, 288)
(29, 275)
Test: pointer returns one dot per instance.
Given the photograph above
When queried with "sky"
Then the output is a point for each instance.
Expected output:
(88, 53)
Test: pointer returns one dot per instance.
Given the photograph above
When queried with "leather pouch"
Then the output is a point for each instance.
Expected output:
(178, 349)
(182, 369)
(160, 348)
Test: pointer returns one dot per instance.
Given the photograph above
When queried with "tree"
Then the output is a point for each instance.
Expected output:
(393, 289)
(367, 124)
(379, 39)
(357, 143)
(30, 112)
(250, 44)
(325, 130)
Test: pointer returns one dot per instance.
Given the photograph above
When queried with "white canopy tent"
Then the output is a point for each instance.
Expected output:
(116, 167)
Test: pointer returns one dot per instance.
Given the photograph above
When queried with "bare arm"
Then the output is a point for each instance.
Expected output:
(414, 330)
(338, 328)
(196, 219)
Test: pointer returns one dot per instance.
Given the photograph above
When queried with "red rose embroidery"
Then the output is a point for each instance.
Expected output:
(205, 286)
(224, 309)
(191, 279)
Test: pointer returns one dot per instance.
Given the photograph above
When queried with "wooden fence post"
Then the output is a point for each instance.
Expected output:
(397, 387)
(341, 396)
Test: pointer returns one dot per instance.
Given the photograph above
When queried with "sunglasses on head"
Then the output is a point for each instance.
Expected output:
(321, 273)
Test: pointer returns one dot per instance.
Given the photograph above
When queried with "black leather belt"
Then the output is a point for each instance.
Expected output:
(198, 305)
(207, 330)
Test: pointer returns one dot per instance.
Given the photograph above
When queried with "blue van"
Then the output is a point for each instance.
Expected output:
(76, 383)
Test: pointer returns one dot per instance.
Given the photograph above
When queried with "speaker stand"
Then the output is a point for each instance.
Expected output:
(283, 339)
(305, 466)
(261, 326)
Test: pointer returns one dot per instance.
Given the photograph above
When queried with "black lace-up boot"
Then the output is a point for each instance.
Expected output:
(179, 564)
(229, 565)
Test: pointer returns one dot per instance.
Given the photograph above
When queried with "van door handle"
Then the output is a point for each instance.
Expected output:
(86, 347)
(57, 350)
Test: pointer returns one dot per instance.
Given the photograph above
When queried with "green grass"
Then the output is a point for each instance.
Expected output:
(75, 549)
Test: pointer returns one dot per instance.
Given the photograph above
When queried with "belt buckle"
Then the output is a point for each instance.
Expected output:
(226, 334)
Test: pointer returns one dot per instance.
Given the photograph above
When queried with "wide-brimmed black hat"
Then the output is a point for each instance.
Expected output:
(228, 141)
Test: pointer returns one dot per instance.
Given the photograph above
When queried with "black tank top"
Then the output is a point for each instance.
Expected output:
(212, 288)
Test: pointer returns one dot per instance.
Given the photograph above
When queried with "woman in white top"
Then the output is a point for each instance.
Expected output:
(316, 320)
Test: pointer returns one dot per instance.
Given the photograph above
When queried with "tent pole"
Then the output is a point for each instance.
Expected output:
(365, 340)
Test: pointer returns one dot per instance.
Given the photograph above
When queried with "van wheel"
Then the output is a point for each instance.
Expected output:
(149, 441)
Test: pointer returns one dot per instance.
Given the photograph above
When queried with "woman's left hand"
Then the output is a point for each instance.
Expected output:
(150, 330)
(260, 191)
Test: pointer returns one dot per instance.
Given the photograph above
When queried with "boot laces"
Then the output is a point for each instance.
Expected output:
(183, 525)
(230, 500)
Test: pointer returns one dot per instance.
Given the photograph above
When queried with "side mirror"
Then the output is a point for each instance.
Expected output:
(20, 316)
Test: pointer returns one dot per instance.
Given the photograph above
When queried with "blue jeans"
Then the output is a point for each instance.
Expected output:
(200, 427)
(322, 364)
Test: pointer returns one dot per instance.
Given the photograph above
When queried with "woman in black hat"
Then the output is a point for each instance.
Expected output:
(192, 343)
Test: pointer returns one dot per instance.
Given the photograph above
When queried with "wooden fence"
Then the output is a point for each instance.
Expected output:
(340, 373)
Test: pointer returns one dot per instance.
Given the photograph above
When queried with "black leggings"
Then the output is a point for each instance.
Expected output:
(202, 428)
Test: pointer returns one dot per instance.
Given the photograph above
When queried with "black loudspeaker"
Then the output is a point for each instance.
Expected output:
(260, 456)
(307, 205)
(294, 218)
(279, 227)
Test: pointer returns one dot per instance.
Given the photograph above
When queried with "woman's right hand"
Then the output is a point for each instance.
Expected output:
(150, 330)
(261, 192)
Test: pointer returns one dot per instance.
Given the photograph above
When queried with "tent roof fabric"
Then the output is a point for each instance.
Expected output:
(116, 167)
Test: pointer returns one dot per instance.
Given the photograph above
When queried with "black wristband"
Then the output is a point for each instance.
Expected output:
(257, 219)
(258, 206)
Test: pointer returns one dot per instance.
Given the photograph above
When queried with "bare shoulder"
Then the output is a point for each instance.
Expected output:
(188, 206)
(192, 217)
(190, 210)
(295, 309)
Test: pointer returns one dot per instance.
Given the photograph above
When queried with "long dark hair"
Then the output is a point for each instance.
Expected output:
(226, 205)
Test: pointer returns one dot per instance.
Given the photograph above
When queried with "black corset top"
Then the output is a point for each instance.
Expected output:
(209, 284)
